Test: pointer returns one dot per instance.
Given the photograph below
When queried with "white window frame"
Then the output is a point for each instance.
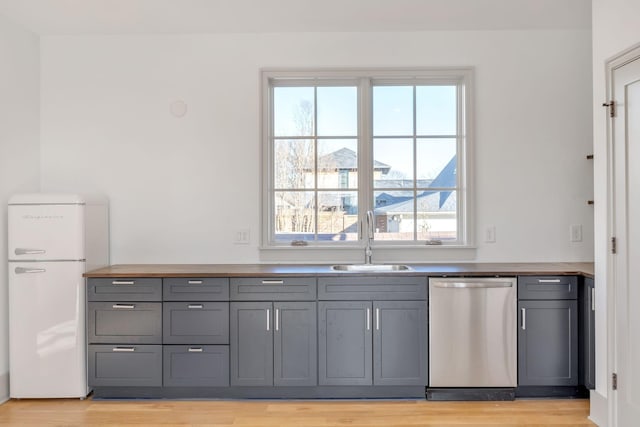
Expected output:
(366, 79)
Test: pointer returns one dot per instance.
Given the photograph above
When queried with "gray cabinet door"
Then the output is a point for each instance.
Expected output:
(124, 323)
(548, 343)
(195, 366)
(125, 365)
(587, 335)
(345, 343)
(251, 343)
(195, 322)
(400, 343)
(295, 344)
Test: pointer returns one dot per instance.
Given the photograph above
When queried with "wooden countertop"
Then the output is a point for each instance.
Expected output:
(302, 270)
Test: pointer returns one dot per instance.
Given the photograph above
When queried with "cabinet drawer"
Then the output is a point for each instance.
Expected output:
(195, 323)
(125, 323)
(189, 366)
(190, 289)
(372, 288)
(119, 289)
(125, 365)
(273, 289)
(547, 287)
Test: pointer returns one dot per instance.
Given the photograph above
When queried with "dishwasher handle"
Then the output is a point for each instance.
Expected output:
(467, 285)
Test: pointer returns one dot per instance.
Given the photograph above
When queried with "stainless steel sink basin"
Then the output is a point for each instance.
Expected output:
(374, 268)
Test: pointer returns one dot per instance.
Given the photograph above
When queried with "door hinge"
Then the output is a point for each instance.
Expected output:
(614, 381)
(614, 245)
(612, 107)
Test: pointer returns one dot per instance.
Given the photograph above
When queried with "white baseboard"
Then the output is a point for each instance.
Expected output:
(4, 387)
(599, 409)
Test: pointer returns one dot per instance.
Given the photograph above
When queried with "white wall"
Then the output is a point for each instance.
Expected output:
(19, 148)
(179, 188)
(615, 28)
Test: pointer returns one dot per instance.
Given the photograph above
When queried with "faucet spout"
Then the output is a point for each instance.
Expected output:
(368, 250)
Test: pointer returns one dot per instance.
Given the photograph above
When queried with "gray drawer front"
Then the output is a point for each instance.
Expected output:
(193, 289)
(196, 366)
(372, 288)
(273, 289)
(124, 289)
(125, 323)
(195, 323)
(547, 287)
(122, 365)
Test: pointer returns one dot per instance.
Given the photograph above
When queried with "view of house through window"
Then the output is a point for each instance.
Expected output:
(339, 148)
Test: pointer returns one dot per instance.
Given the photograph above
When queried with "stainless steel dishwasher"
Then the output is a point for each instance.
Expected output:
(473, 332)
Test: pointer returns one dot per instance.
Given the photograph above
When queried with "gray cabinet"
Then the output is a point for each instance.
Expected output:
(273, 343)
(345, 343)
(195, 322)
(548, 337)
(400, 343)
(380, 343)
(295, 344)
(251, 343)
(196, 366)
(125, 365)
(587, 362)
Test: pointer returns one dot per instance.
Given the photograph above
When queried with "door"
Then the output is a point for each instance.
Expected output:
(548, 343)
(46, 232)
(47, 329)
(295, 344)
(400, 343)
(625, 88)
(251, 343)
(345, 343)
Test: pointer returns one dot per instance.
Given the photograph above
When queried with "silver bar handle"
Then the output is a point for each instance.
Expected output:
(377, 319)
(548, 280)
(593, 299)
(195, 282)
(27, 251)
(195, 306)
(195, 350)
(124, 306)
(123, 282)
(524, 318)
(268, 316)
(466, 285)
(368, 319)
(273, 282)
(22, 270)
(277, 319)
(123, 349)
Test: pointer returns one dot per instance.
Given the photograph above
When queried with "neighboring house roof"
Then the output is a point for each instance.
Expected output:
(346, 159)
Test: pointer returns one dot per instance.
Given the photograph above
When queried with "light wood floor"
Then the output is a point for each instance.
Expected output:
(294, 413)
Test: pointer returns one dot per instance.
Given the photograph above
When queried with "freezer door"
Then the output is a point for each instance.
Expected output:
(46, 232)
(47, 344)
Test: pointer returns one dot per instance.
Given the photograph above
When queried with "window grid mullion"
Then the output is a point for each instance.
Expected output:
(415, 169)
(315, 162)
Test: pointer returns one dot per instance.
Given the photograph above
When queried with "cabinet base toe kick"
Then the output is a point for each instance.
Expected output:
(466, 394)
(320, 392)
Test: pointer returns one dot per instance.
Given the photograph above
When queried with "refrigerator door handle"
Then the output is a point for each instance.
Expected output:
(27, 251)
(22, 270)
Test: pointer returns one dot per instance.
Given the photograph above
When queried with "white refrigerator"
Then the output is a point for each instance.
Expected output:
(52, 240)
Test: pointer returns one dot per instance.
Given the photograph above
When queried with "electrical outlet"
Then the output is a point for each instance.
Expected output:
(490, 234)
(242, 237)
(575, 233)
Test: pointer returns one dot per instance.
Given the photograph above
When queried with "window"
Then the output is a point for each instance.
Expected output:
(340, 143)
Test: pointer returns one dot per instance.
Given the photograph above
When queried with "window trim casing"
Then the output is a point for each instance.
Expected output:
(463, 77)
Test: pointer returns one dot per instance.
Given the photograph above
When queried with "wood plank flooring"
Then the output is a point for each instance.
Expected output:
(400, 413)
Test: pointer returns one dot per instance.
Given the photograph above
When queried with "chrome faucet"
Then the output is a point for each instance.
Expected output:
(368, 250)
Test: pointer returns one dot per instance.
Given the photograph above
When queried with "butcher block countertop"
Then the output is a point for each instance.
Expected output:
(306, 270)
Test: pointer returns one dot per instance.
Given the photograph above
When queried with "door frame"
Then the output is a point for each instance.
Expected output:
(612, 64)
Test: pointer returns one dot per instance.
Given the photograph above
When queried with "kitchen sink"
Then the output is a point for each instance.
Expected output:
(374, 268)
